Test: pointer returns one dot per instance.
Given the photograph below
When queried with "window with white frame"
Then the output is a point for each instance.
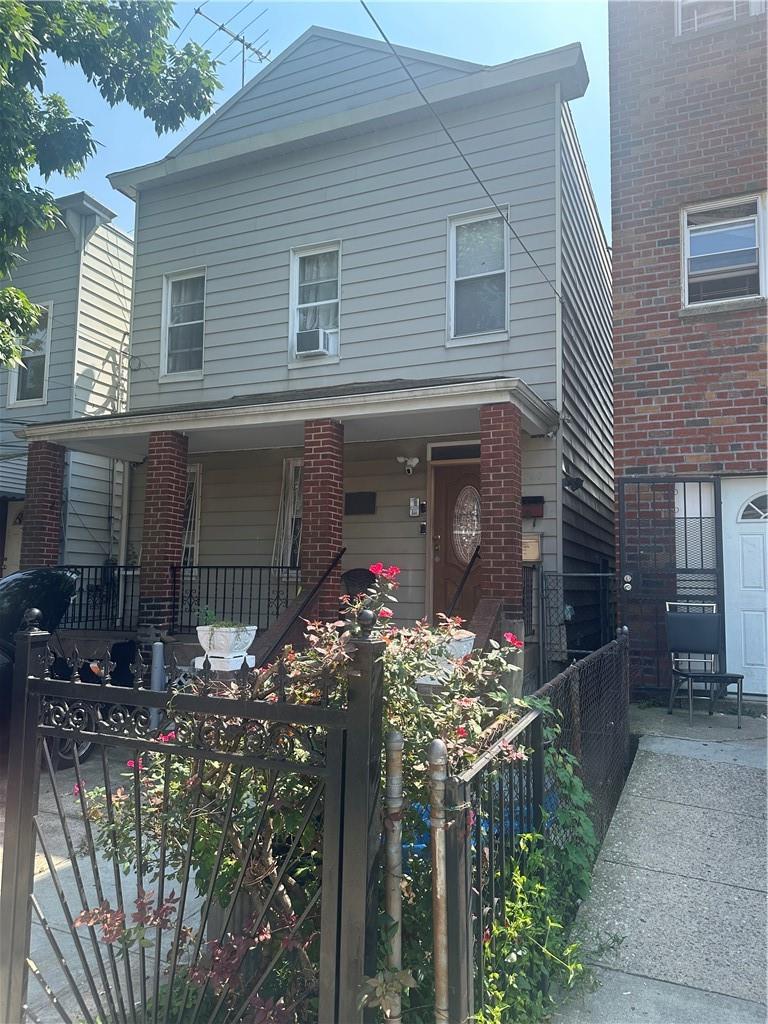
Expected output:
(184, 323)
(696, 15)
(29, 382)
(478, 299)
(723, 252)
(315, 289)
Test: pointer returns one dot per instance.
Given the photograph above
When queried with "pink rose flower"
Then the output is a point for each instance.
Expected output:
(513, 640)
(377, 568)
(385, 613)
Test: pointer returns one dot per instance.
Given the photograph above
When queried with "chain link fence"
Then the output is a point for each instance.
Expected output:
(592, 699)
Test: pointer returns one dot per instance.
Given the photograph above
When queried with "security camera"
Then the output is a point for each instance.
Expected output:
(408, 463)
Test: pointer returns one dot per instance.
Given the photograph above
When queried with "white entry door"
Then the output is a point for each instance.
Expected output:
(745, 566)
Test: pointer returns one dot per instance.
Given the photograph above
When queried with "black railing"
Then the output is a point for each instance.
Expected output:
(462, 582)
(107, 598)
(510, 791)
(253, 595)
(307, 598)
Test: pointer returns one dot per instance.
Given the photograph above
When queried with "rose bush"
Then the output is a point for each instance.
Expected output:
(246, 818)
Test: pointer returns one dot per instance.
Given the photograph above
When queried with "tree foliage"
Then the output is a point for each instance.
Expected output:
(123, 49)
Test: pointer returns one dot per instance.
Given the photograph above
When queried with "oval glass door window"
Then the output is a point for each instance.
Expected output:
(466, 523)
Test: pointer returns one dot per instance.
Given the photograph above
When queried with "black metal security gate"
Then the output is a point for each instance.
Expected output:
(670, 552)
(196, 868)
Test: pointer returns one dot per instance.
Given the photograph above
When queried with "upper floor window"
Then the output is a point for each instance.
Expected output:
(315, 292)
(695, 15)
(183, 323)
(723, 252)
(478, 302)
(29, 383)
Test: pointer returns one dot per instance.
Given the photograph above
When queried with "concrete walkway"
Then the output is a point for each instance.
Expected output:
(681, 879)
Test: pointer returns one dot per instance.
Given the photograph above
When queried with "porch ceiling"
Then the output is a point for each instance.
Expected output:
(264, 422)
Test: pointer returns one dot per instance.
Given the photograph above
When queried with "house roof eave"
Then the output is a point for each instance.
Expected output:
(564, 65)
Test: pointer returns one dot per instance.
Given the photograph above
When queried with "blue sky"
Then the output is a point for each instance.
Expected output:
(488, 33)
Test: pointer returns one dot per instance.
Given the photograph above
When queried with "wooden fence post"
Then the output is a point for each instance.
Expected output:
(361, 840)
(22, 795)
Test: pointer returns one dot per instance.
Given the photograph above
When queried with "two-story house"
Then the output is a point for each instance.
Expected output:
(75, 365)
(339, 341)
(688, 125)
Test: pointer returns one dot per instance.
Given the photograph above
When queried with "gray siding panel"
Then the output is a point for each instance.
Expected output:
(321, 77)
(587, 366)
(95, 483)
(386, 196)
(47, 272)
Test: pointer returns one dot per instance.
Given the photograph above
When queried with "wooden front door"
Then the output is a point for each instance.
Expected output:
(455, 535)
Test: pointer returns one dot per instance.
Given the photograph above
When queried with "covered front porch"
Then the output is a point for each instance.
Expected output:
(233, 510)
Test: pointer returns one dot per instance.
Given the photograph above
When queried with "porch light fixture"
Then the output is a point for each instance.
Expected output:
(408, 463)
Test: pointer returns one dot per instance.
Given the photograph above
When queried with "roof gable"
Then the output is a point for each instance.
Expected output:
(323, 72)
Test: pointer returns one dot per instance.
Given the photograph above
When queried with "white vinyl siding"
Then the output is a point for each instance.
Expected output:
(387, 195)
(29, 382)
(184, 324)
(723, 252)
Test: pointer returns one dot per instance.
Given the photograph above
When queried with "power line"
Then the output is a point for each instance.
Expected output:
(458, 149)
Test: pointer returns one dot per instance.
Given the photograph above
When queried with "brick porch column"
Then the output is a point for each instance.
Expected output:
(41, 532)
(163, 530)
(500, 516)
(323, 509)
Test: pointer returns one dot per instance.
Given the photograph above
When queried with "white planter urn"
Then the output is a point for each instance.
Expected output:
(226, 646)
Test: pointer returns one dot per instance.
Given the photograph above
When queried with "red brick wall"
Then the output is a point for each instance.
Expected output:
(688, 125)
(501, 544)
(163, 531)
(42, 529)
(323, 508)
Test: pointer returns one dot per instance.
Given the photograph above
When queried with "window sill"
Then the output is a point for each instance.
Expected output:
(726, 306)
(477, 339)
(710, 30)
(309, 361)
(27, 403)
(169, 378)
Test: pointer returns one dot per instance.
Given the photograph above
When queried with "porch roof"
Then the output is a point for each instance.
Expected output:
(374, 411)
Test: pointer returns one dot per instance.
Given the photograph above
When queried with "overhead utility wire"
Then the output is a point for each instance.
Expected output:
(458, 149)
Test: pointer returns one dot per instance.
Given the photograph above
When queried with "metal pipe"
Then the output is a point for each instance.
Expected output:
(438, 763)
(158, 679)
(393, 847)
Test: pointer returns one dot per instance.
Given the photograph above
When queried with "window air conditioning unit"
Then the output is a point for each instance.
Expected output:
(313, 343)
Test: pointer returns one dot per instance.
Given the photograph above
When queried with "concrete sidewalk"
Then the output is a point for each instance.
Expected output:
(681, 878)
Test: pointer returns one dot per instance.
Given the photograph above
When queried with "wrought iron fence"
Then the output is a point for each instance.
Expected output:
(503, 795)
(198, 865)
(531, 583)
(107, 598)
(253, 595)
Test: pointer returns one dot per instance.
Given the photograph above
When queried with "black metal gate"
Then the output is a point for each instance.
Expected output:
(670, 552)
(190, 870)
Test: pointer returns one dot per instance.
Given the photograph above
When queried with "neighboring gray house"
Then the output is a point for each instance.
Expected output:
(318, 250)
(75, 366)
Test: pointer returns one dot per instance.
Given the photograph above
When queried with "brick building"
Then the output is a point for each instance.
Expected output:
(688, 136)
